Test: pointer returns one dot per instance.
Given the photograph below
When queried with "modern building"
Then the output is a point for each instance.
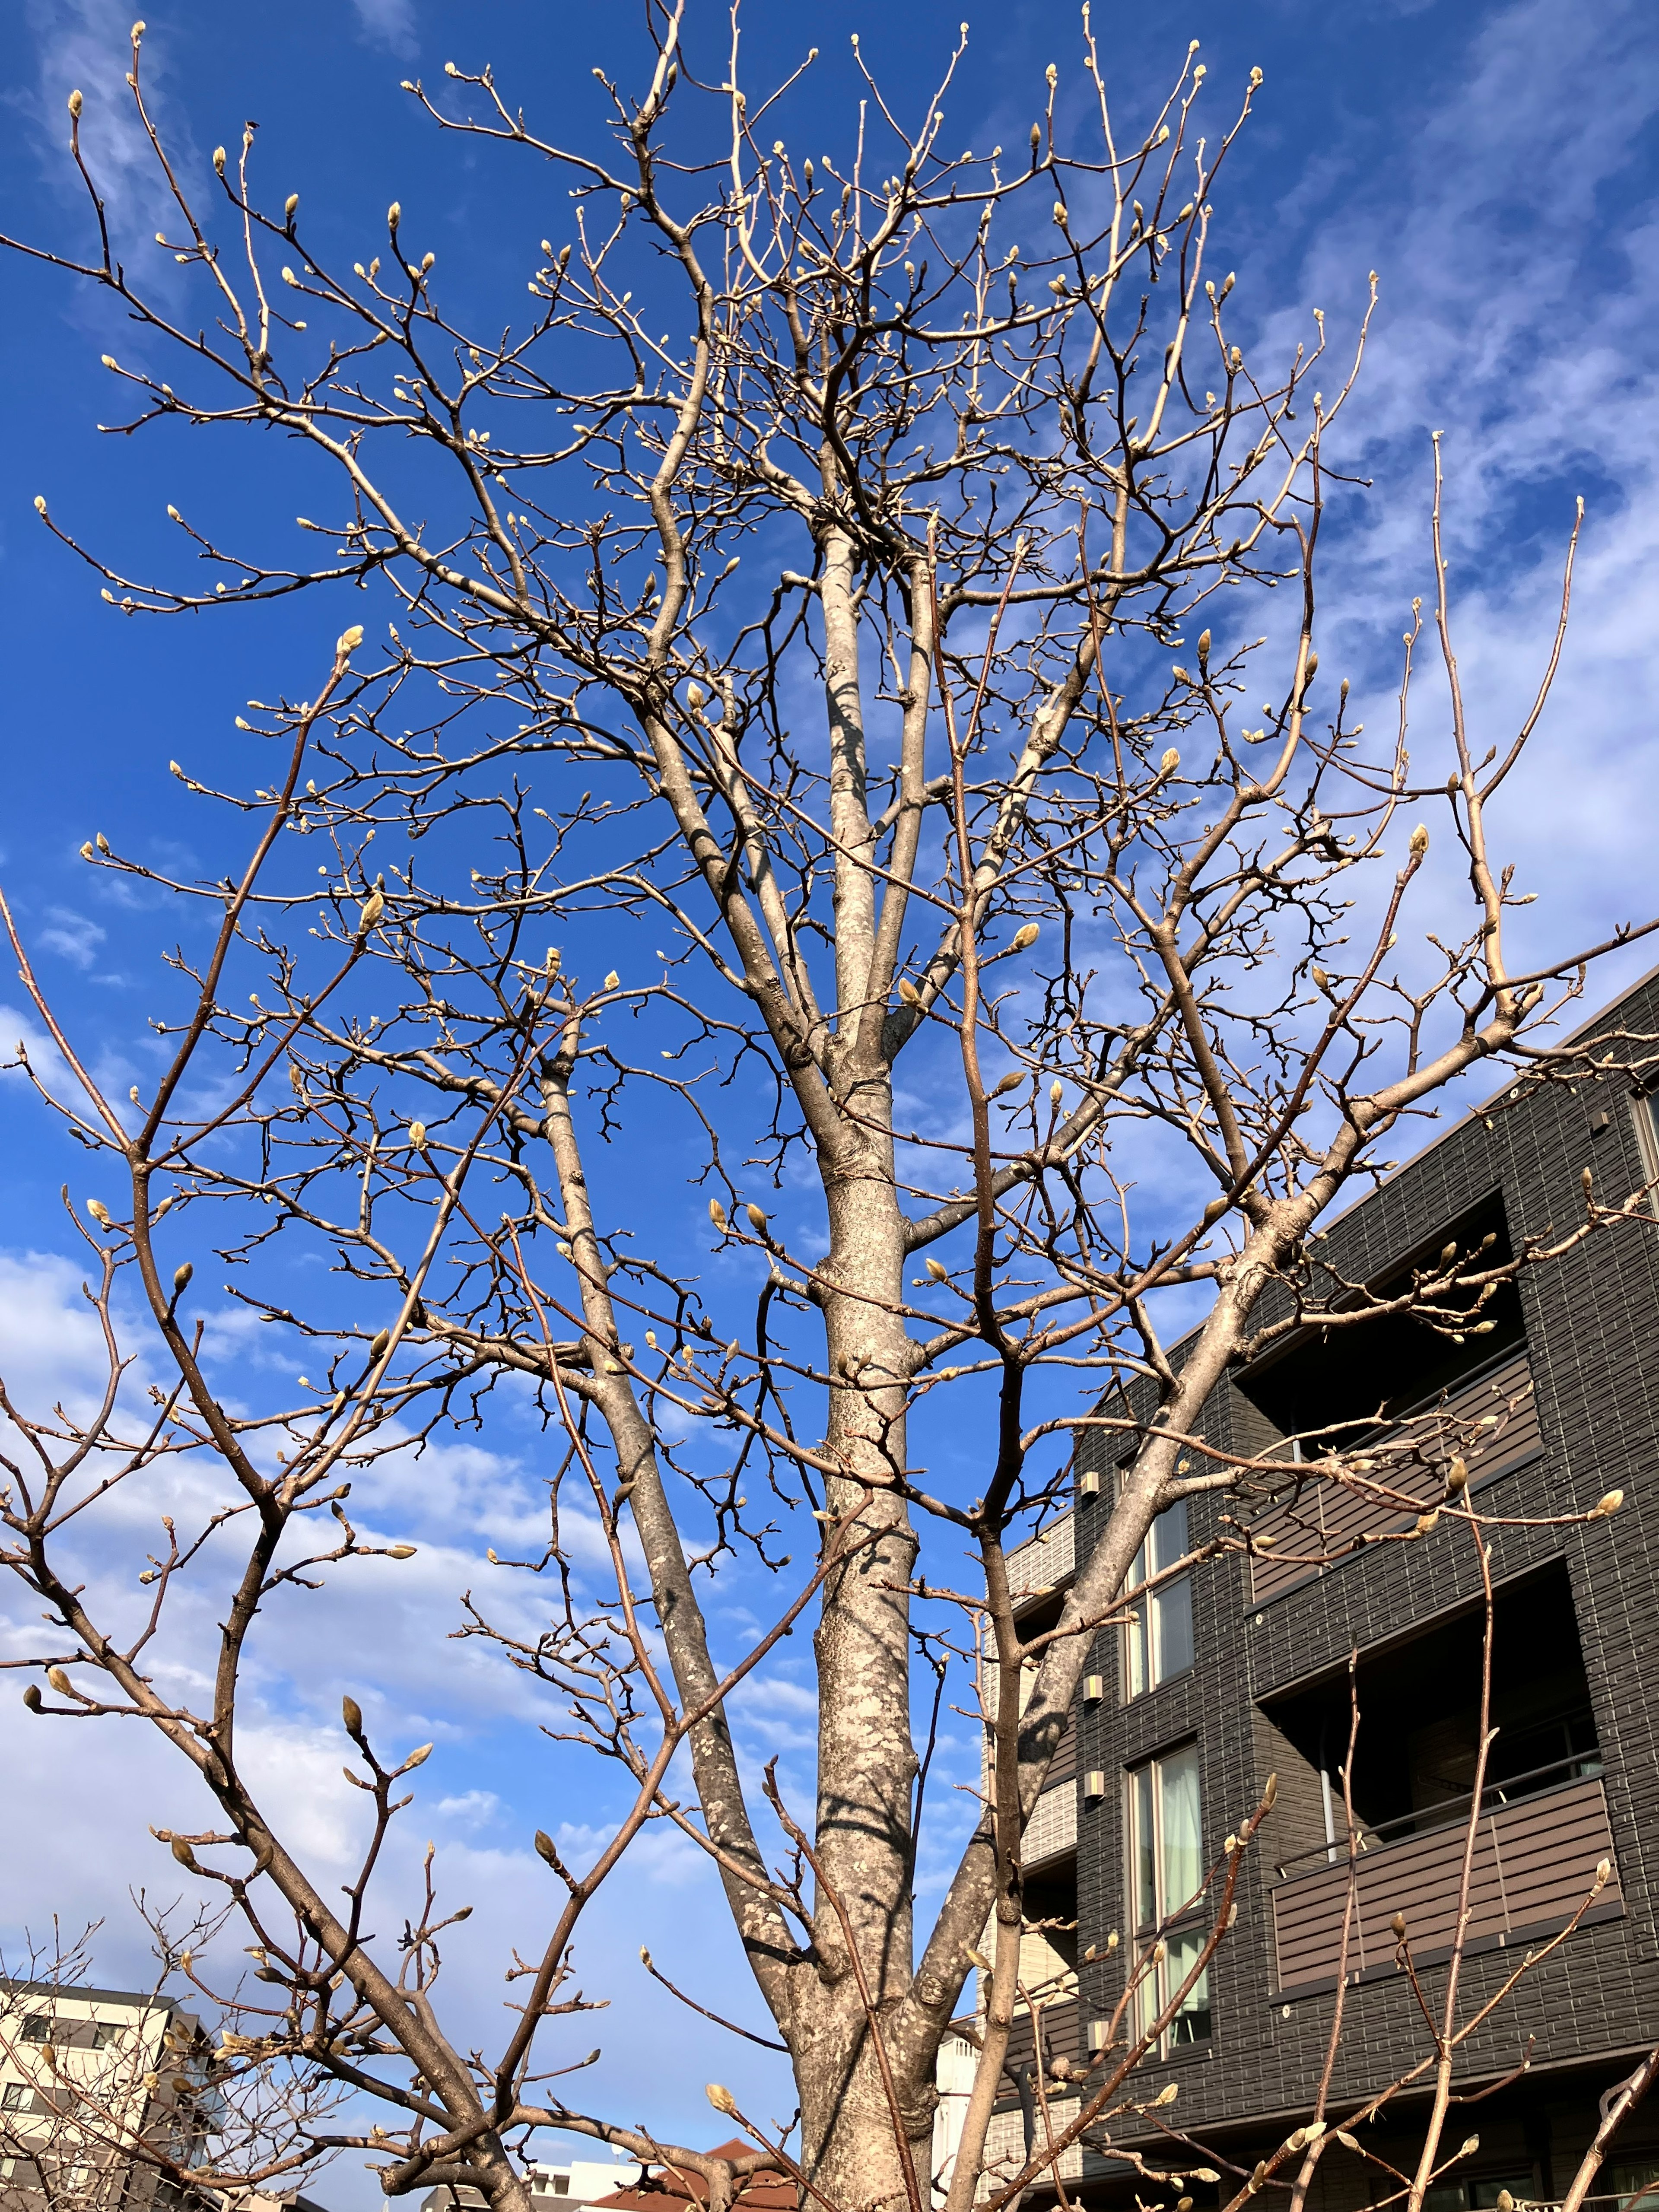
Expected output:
(1242, 1669)
(584, 2181)
(88, 2077)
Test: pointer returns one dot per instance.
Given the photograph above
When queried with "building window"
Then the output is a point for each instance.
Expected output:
(1158, 1641)
(1165, 1874)
(12, 2097)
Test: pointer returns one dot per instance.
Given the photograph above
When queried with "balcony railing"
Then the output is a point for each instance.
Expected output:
(1051, 1832)
(1044, 1563)
(1328, 1519)
(1062, 2036)
(1535, 1863)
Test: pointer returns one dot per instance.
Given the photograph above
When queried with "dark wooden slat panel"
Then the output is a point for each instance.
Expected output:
(1062, 2034)
(1326, 1518)
(1533, 1864)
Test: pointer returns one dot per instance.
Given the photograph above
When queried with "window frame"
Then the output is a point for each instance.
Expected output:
(1142, 1670)
(1644, 1108)
(1171, 1921)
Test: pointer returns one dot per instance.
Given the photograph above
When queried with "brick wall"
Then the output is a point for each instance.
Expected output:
(1593, 1334)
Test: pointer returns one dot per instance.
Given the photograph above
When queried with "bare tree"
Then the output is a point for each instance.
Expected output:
(123, 2098)
(876, 656)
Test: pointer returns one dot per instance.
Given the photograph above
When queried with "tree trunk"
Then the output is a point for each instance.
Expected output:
(866, 1760)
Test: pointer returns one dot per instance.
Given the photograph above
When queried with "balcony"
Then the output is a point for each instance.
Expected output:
(1039, 1567)
(1062, 2035)
(1539, 1841)
(1051, 1832)
(1331, 1520)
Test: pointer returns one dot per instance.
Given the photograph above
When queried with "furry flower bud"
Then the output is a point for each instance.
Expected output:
(1026, 934)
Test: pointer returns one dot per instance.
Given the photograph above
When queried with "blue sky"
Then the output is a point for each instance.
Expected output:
(1496, 165)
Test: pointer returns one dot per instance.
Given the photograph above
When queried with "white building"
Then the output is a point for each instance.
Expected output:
(584, 2181)
(89, 2080)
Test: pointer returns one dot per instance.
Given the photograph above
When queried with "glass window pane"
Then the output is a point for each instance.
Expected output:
(1178, 1778)
(1168, 1537)
(1173, 1624)
(1192, 2023)
(1134, 1645)
(1145, 1882)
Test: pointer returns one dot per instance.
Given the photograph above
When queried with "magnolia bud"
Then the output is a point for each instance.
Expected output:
(352, 1713)
(373, 907)
(908, 992)
(1420, 841)
(695, 695)
(721, 2098)
(1012, 1081)
(1203, 647)
(417, 1758)
(383, 1337)
(98, 1211)
(544, 1846)
(1608, 1506)
(40, 503)
(417, 1135)
(402, 1552)
(977, 1958)
(1398, 1924)
(1169, 763)
(31, 1696)
(1425, 1521)
(612, 979)
(219, 159)
(394, 215)
(348, 640)
(1457, 1475)
(59, 1680)
(101, 842)
(428, 261)
(1026, 934)
(756, 1218)
(717, 1213)
(181, 1275)
(74, 103)
(1270, 1793)
(86, 850)
(939, 1270)
(1060, 212)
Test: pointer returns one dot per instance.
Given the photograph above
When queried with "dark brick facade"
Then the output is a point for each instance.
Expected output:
(1592, 1327)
